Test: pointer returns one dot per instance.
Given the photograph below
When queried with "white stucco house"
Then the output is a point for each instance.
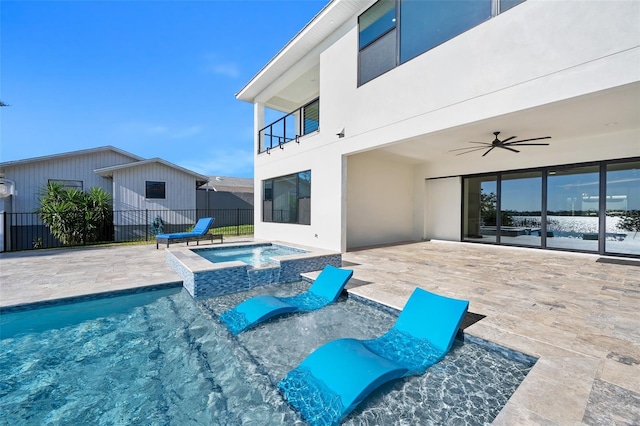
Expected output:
(137, 186)
(390, 110)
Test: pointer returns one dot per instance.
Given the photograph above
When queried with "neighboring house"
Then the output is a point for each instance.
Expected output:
(136, 184)
(224, 192)
(384, 96)
(228, 199)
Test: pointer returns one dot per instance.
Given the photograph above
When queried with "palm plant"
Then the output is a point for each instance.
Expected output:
(74, 216)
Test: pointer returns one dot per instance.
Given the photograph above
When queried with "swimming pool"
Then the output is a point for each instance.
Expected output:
(161, 358)
(254, 255)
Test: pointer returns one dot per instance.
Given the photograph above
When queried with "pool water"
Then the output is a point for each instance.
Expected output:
(254, 255)
(161, 358)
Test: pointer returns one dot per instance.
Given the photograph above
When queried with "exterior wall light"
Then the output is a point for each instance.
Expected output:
(340, 133)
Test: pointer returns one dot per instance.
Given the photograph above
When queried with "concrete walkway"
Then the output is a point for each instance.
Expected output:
(576, 313)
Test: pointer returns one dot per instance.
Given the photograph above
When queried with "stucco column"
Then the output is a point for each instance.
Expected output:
(258, 123)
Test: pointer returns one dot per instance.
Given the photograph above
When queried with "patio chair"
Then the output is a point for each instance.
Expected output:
(337, 376)
(325, 290)
(199, 232)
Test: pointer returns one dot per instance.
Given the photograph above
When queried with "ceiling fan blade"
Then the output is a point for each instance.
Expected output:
(471, 150)
(532, 139)
(530, 144)
(469, 147)
(484, 143)
(507, 140)
(510, 149)
(488, 151)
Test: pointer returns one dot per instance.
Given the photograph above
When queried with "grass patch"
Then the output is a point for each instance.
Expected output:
(233, 230)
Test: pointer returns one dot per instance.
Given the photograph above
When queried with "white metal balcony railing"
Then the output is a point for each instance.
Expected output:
(302, 121)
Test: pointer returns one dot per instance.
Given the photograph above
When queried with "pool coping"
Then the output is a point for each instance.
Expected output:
(87, 297)
(196, 263)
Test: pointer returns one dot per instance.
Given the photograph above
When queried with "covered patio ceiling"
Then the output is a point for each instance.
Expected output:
(610, 111)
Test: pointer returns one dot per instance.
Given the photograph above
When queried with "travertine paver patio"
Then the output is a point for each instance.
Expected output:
(578, 314)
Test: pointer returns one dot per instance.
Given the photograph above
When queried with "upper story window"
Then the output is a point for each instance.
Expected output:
(69, 184)
(156, 190)
(378, 20)
(377, 40)
(392, 32)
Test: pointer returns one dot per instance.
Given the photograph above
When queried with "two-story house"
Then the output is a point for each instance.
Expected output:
(391, 113)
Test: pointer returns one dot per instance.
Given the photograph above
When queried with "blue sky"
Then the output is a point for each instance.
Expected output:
(154, 78)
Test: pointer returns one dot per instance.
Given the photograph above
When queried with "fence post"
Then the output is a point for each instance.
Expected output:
(146, 227)
(237, 222)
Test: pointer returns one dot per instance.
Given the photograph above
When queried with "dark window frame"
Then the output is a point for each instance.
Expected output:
(155, 190)
(602, 167)
(269, 190)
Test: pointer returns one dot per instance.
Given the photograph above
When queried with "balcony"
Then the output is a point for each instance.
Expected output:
(303, 121)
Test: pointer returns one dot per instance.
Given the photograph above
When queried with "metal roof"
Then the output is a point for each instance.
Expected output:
(229, 184)
(71, 154)
(108, 171)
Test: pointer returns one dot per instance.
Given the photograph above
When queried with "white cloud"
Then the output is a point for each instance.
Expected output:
(186, 132)
(214, 66)
(223, 162)
(157, 130)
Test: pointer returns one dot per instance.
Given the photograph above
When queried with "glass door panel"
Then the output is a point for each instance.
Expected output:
(623, 208)
(572, 208)
(521, 208)
(480, 208)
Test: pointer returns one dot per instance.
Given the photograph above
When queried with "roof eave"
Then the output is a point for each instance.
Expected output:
(331, 13)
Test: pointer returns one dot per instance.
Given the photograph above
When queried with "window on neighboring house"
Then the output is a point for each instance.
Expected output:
(69, 184)
(287, 199)
(155, 189)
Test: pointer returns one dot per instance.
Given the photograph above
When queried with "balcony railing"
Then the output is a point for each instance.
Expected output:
(289, 128)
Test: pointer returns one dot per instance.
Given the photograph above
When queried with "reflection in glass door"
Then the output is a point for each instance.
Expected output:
(623, 208)
(521, 208)
(480, 208)
(572, 208)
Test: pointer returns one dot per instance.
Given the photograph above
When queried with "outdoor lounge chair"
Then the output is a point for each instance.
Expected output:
(325, 290)
(337, 376)
(199, 232)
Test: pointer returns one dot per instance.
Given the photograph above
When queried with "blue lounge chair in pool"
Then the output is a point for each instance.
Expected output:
(325, 290)
(337, 376)
(199, 232)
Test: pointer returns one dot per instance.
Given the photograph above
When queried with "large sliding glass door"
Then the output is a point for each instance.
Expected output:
(623, 208)
(521, 206)
(587, 207)
(572, 208)
(480, 208)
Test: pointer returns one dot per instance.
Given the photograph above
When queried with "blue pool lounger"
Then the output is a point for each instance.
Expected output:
(337, 376)
(325, 290)
(198, 233)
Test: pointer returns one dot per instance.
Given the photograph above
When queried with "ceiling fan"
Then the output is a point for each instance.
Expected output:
(507, 144)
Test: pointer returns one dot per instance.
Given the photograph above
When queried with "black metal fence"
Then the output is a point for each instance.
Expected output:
(26, 231)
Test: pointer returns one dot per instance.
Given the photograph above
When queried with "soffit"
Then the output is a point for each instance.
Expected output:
(330, 18)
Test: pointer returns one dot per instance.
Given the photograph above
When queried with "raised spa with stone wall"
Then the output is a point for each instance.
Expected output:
(203, 278)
